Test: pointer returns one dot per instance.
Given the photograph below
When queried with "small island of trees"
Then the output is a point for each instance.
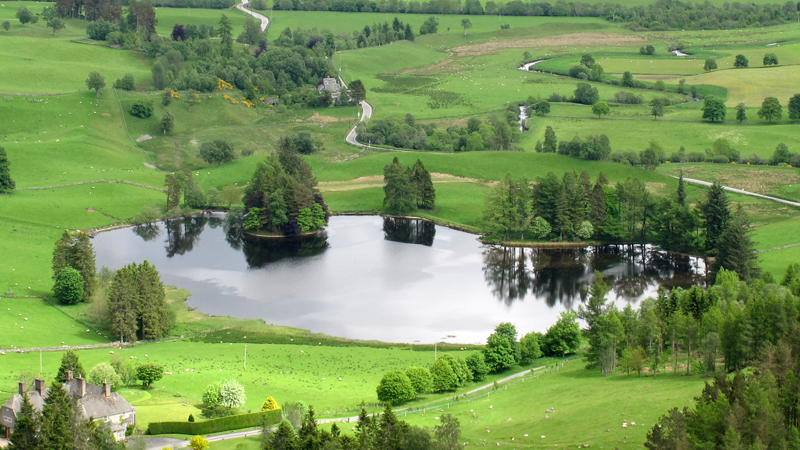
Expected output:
(282, 197)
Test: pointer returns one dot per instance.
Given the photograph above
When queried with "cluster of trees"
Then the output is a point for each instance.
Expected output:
(118, 372)
(282, 196)
(595, 148)
(376, 432)
(660, 15)
(407, 188)
(741, 61)
(446, 374)
(730, 325)
(74, 269)
(220, 398)
(137, 308)
(498, 133)
(572, 207)
(218, 151)
(502, 351)
(327, 42)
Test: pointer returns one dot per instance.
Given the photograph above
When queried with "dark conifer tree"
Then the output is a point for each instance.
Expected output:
(6, 182)
(421, 179)
(26, 429)
(398, 191)
(715, 214)
(57, 420)
(735, 248)
(71, 362)
(136, 304)
(681, 194)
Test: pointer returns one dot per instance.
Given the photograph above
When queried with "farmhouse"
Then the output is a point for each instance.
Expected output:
(97, 402)
(330, 85)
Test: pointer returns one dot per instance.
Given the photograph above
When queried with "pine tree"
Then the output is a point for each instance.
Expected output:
(398, 191)
(57, 420)
(25, 435)
(735, 248)
(6, 182)
(123, 304)
(71, 362)
(154, 323)
(681, 191)
(550, 140)
(421, 179)
(715, 214)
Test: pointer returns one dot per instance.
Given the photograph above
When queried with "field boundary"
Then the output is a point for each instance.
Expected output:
(146, 186)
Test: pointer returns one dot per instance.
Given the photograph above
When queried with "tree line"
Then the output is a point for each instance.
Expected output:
(372, 432)
(659, 15)
(500, 132)
(502, 351)
(575, 208)
(369, 36)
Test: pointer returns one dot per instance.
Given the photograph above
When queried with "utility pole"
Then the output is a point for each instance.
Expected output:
(245, 357)
(41, 371)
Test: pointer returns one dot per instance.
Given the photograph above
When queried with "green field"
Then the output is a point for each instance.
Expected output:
(31, 322)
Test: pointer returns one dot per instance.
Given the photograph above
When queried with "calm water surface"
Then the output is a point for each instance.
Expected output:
(388, 279)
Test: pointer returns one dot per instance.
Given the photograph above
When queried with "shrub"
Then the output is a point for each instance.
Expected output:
(125, 83)
(721, 159)
(68, 287)
(142, 108)
(270, 405)
(100, 29)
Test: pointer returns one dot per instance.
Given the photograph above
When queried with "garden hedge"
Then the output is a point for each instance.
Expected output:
(228, 423)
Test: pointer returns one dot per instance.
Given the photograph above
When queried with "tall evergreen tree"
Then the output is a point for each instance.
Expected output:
(421, 180)
(6, 182)
(735, 249)
(71, 362)
(57, 420)
(173, 191)
(714, 211)
(550, 140)
(604, 331)
(154, 318)
(26, 428)
(123, 301)
(398, 190)
(681, 194)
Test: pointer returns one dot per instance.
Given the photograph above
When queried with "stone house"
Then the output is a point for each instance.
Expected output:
(97, 402)
(331, 85)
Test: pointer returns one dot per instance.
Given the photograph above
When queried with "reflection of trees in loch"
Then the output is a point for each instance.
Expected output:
(147, 232)
(409, 231)
(183, 234)
(506, 272)
(260, 252)
(563, 275)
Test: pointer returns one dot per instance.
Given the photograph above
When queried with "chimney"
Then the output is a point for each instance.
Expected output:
(38, 384)
(107, 388)
(69, 376)
(81, 387)
(21, 388)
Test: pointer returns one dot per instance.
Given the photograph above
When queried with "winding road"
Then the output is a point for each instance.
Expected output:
(365, 115)
(261, 17)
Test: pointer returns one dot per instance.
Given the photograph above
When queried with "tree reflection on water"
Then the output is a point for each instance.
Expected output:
(409, 231)
(563, 275)
(259, 252)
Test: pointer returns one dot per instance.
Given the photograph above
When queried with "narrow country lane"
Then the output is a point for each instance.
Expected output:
(365, 115)
(261, 17)
(743, 192)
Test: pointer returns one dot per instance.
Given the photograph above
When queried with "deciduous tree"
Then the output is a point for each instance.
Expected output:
(149, 373)
(713, 109)
(167, 122)
(600, 109)
(68, 288)
(770, 109)
(741, 61)
(395, 387)
(56, 23)
(741, 112)
(710, 64)
(96, 82)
